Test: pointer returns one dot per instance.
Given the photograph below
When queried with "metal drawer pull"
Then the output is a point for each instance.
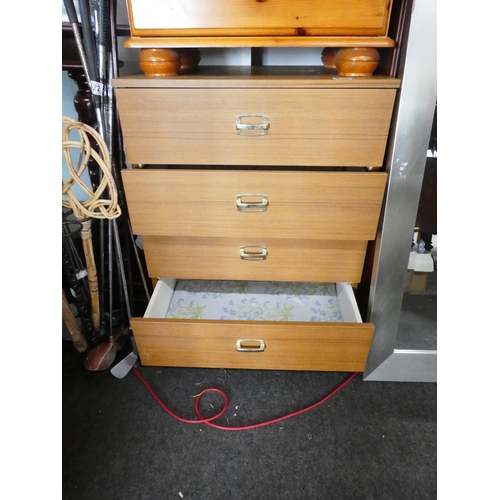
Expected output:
(252, 129)
(253, 252)
(250, 345)
(251, 206)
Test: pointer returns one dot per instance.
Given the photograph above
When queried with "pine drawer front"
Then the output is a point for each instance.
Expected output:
(292, 127)
(284, 204)
(254, 259)
(257, 18)
(276, 345)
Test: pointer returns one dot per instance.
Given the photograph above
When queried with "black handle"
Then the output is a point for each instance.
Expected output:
(103, 16)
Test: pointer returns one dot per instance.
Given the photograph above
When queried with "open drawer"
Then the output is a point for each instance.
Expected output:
(253, 325)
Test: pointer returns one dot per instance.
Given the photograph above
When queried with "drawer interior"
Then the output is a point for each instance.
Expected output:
(253, 301)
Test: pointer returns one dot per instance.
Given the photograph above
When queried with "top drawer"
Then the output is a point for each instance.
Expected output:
(292, 126)
(241, 17)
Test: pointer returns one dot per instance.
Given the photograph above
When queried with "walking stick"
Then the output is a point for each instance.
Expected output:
(77, 337)
(79, 292)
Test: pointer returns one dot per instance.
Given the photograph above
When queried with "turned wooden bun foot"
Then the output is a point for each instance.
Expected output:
(190, 58)
(352, 61)
(168, 62)
(160, 62)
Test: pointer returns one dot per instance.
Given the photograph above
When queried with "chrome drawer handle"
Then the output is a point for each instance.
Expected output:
(250, 129)
(253, 252)
(251, 206)
(250, 345)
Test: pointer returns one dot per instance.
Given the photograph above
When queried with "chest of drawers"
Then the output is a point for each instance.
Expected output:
(253, 181)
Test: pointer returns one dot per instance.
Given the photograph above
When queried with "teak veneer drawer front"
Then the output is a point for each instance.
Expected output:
(300, 205)
(243, 17)
(299, 127)
(285, 260)
(285, 345)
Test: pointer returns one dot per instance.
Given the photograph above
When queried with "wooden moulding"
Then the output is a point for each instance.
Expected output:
(257, 77)
(177, 42)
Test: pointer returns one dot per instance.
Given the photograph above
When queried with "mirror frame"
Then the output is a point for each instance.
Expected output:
(405, 164)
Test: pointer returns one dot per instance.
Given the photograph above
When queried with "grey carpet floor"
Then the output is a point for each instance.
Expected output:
(371, 440)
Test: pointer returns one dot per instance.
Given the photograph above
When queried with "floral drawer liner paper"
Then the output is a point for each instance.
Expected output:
(253, 300)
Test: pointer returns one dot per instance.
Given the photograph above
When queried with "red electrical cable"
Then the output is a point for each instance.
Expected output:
(208, 421)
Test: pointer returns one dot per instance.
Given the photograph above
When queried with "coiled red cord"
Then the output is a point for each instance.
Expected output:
(209, 421)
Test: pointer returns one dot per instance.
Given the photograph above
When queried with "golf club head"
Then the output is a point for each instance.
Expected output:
(121, 369)
(100, 357)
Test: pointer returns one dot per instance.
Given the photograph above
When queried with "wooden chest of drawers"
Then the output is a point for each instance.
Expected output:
(255, 178)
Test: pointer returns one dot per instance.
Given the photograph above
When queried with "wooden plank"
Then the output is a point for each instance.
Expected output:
(158, 42)
(258, 77)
